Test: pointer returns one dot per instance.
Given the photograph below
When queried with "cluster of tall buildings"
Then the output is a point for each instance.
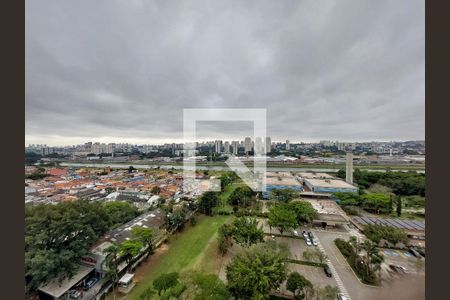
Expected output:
(236, 147)
(247, 145)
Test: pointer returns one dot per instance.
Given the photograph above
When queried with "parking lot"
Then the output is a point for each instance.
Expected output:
(314, 274)
(296, 246)
(392, 284)
(412, 264)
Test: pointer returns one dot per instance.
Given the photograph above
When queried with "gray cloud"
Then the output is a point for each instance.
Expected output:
(124, 70)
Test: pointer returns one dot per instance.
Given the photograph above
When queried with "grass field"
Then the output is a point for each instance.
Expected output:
(193, 248)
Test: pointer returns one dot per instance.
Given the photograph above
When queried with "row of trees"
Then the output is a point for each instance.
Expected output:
(39, 173)
(364, 258)
(283, 195)
(141, 238)
(287, 216)
(393, 235)
(402, 183)
(376, 202)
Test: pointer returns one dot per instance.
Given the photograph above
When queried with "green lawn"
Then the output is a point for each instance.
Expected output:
(185, 251)
(223, 198)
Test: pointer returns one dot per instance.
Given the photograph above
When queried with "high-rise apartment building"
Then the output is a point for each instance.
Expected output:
(235, 146)
(226, 147)
(268, 144)
(248, 144)
(218, 146)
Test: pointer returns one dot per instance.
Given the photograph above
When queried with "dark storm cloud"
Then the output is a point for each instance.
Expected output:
(124, 70)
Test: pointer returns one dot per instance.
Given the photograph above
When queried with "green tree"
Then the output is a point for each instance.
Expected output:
(379, 203)
(297, 285)
(145, 236)
(146, 294)
(225, 237)
(282, 217)
(242, 196)
(348, 198)
(210, 287)
(109, 190)
(207, 202)
(283, 195)
(120, 212)
(376, 232)
(372, 257)
(399, 206)
(165, 281)
(129, 249)
(176, 219)
(246, 231)
(304, 210)
(340, 174)
(256, 270)
(112, 263)
(57, 236)
(155, 190)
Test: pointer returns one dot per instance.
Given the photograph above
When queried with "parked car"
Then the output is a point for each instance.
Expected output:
(74, 294)
(308, 242)
(327, 271)
(295, 233)
(415, 253)
(315, 243)
(305, 235)
(398, 269)
(341, 297)
(310, 235)
(89, 283)
(421, 252)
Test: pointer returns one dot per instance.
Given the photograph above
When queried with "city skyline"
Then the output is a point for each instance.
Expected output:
(354, 73)
(212, 140)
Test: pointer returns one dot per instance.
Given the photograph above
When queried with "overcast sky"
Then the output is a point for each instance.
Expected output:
(124, 71)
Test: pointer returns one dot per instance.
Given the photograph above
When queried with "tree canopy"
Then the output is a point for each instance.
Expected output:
(165, 281)
(375, 202)
(207, 202)
(242, 196)
(283, 195)
(246, 232)
(57, 236)
(298, 285)
(128, 249)
(282, 217)
(120, 212)
(256, 270)
(376, 232)
(209, 286)
(145, 236)
(304, 210)
(402, 183)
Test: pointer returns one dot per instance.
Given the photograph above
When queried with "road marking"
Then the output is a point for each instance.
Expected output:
(338, 280)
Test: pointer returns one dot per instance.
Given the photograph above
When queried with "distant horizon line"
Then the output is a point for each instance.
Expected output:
(229, 140)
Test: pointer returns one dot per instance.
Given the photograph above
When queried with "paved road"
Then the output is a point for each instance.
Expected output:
(347, 280)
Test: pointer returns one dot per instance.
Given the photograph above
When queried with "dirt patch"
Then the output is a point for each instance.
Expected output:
(151, 261)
